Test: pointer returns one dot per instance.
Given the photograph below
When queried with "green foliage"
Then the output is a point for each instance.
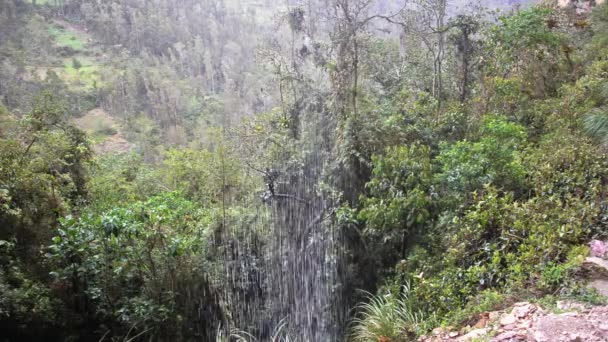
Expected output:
(80, 74)
(476, 195)
(485, 301)
(44, 172)
(399, 200)
(494, 159)
(21, 298)
(526, 46)
(599, 26)
(116, 180)
(527, 28)
(566, 164)
(128, 261)
(592, 100)
(65, 38)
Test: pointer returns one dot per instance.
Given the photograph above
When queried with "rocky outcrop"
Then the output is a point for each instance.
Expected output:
(581, 6)
(569, 322)
(530, 322)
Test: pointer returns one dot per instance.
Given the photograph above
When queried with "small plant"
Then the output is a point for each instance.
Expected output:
(385, 318)
(279, 334)
(76, 64)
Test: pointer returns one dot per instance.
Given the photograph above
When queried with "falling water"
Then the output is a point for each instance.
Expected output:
(302, 255)
(283, 267)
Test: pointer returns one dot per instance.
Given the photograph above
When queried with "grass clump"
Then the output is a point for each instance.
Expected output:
(387, 317)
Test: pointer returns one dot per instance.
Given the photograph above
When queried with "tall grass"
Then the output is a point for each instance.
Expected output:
(279, 334)
(386, 318)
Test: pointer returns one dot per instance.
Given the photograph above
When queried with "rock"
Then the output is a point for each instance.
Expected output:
(600, 285)
(597, 262)
(523, 311)
(567, 305)
(598, 248)
(474, 334)
(509, 327)
(506, 336)
(495, 315)
(528, 322)
(508, 319)
(438, 331)
(564, 327)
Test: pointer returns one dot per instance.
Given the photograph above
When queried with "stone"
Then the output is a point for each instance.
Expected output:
(506, 336)
(508, 319)
(598, 262)
(438, 331)
(567, 305)
(522, 311)
(495, 315)
(474, 334)
(600, 285)
(509, 327)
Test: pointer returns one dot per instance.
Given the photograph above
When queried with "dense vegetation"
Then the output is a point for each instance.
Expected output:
(261, 163)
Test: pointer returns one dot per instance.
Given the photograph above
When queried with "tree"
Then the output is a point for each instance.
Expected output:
(398, 202)
(466, 27)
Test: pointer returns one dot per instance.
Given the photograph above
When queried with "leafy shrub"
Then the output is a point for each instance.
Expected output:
(398, 200)
(494, 159)
(22, 298)
(485, 301)
(127, 262)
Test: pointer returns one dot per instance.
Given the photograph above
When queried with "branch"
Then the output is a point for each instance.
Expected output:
(254, 168)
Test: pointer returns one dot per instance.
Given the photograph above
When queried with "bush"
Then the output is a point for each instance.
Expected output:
(494, 159)
(76, 63)
(127, 262)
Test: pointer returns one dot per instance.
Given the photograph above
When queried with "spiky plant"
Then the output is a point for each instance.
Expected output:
(596, 121)
(385, 318)
(279, 334)
(596, 124)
